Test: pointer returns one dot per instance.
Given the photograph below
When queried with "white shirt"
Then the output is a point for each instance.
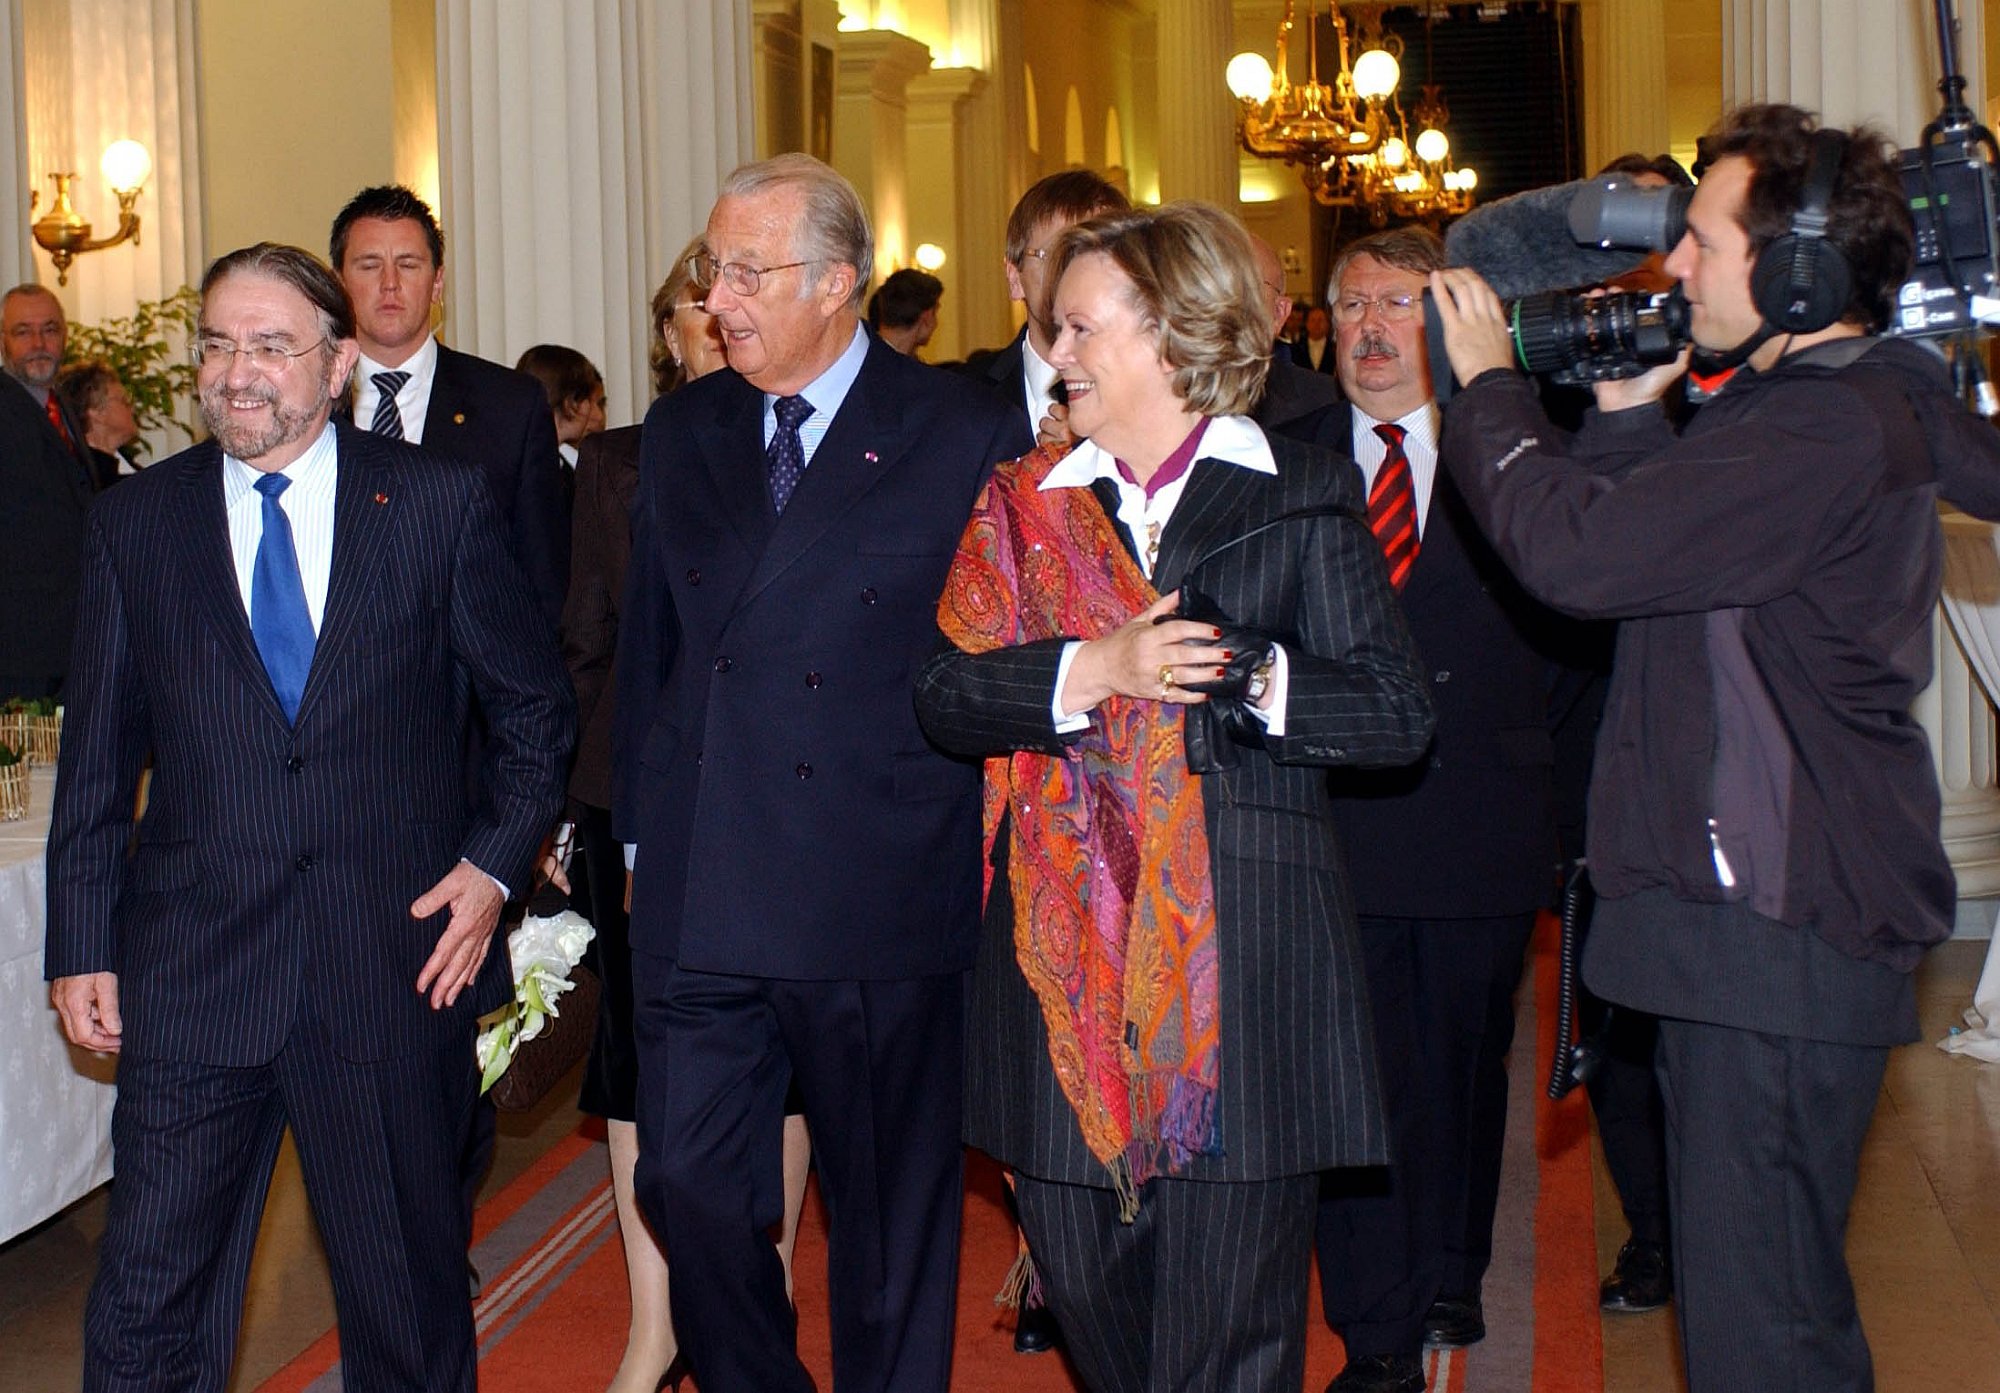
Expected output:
(1420, 444)
(413, 399)
(308, 507)
(1038, 384)
(1233, 440)
(825, 394)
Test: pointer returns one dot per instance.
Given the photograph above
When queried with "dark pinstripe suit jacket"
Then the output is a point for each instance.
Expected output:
(274, 860)
(1299, 1090)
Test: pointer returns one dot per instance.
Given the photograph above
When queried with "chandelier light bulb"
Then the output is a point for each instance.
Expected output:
(1376, 74)
(1467, 178)
(929, 256)
(1394, 152)
(1432, 146)
(1250, 78)
(126, 165)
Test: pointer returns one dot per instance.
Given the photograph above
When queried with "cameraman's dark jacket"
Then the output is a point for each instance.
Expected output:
(1776, 566)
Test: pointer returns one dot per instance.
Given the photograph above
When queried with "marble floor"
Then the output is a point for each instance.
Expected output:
(1925, 1240)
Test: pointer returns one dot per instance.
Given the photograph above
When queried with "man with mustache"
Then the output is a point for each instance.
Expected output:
(1449, 857)
(287, 621)
(45, 488)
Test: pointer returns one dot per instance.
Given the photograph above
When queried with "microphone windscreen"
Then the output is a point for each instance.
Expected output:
(1522, 244)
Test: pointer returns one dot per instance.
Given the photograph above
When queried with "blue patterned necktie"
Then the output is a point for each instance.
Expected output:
(785, 456)
(279, 620)
(388, 416)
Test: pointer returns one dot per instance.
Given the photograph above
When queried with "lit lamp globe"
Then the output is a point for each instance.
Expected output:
(1376, 74)
(126, 165)
(1250, 78)
(1394, 152)
(1432, 146)
(929, 257)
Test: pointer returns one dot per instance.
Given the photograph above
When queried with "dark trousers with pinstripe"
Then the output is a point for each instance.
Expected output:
(1764, 1136)
(1204, 1292)
(379, 1146)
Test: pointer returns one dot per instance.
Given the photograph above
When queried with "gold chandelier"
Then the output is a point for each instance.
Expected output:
(1349, 137)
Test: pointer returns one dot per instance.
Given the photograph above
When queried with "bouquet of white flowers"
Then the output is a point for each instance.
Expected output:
(544, 953)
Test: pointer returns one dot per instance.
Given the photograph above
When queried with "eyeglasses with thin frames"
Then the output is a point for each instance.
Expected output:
(266, 357)
(1352, 309)
(746, 280)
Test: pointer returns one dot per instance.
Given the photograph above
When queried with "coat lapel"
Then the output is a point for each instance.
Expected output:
(211, 560)
(1210, 512)
(732, 446)
(864, 442)
(365, 498)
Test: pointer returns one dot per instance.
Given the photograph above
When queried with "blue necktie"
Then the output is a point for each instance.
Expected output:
(388, 416)
(279, 620)
(785, 456)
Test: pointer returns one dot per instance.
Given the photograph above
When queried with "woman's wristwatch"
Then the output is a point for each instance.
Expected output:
(1260, 676)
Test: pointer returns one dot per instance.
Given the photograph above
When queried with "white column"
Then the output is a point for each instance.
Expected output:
(873, 68)
(1849, 60)
(1961, 724)
(1624, 79)
(1197, 116)
(956, 210)
(581, 145)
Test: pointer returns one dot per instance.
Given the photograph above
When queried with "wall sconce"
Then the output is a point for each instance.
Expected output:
(64, 235)
(930, 257)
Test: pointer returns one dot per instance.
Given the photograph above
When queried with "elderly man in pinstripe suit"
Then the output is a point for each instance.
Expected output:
(290, 621)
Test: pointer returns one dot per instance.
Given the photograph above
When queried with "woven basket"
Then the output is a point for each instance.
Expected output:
(44, 739)
(14, 731)
(13, 792)
(540, 1065)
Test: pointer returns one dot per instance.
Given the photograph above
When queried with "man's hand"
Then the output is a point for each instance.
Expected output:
(1054, 429)
(475, 903)
(1623, 393)
(88, 1005)
(1476, 334)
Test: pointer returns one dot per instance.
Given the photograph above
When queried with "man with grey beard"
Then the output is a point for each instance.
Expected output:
(288, 621)
(45, 489)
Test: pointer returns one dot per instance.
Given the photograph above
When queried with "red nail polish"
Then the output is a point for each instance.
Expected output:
(1222, 672)
(1215, 633)
(1227, 655)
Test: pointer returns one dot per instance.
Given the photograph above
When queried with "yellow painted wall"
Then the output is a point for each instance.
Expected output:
(298, 110)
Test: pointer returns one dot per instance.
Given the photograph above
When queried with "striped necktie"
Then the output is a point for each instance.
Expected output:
(1392, 507)
(388, 416)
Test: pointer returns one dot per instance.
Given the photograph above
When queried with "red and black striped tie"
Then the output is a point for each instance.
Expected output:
(1392, 507)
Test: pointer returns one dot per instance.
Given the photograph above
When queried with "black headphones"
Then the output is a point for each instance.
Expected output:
(1801, 280)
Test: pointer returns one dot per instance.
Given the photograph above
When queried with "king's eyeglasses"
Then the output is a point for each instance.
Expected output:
(744, 279)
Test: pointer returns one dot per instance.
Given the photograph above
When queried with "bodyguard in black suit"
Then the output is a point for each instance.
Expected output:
(806, 884)
(389, 252)
(1449, 858)
(301, 937)
(1175, 1264)
(45, 490)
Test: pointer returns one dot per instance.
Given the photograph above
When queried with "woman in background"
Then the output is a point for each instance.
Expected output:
(575, 390)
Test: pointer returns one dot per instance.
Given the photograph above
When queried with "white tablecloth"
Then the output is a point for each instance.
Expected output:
(55, 1101)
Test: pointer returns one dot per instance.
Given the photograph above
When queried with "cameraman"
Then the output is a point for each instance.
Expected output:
(1764, 816)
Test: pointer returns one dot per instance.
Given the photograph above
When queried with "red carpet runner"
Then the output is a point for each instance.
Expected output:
(553, 1318)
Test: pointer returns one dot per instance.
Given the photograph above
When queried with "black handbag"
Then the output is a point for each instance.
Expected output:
(546, 1060)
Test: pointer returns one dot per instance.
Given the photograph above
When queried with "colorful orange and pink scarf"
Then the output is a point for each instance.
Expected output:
(1114, 906)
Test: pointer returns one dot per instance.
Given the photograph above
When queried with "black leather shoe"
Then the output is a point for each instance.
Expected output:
(1642, 1280)
(1380, 1373)
(1454, 1322)
(1035, 1330)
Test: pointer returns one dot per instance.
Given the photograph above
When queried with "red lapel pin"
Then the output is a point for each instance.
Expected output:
(381, 498)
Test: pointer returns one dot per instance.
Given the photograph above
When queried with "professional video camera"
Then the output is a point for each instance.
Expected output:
(1949, 176)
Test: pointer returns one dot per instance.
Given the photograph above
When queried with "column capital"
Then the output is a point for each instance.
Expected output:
(946, 87)
(879, 60)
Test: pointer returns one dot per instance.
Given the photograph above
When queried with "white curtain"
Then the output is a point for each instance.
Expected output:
(103, 70)
(581, 146)
(17, 261)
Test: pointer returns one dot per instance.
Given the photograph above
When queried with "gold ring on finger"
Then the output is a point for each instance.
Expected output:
(1166, 677)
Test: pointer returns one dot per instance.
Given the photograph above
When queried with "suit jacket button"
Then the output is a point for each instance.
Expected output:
(804, 771)
(304, 863)
(812, 680)
(868, 595)
(697, 759)
(295, 764)
(723, 664)
(1443, 675)
(694, 576)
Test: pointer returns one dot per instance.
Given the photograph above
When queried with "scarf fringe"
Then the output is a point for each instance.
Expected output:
(1022, 1285)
